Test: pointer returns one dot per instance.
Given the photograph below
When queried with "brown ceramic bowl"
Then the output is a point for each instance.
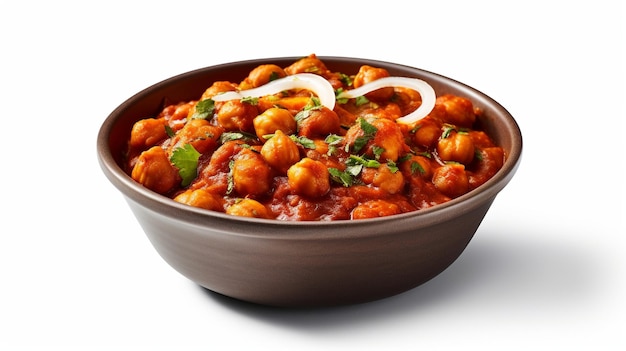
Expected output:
(303, 264)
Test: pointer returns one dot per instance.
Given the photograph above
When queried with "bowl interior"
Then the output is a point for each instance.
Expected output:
(115, 131)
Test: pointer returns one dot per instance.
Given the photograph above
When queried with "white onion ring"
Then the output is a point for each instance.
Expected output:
(313, 82)
(424, 89)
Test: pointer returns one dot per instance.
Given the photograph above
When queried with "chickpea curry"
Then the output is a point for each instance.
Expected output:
(304, 143)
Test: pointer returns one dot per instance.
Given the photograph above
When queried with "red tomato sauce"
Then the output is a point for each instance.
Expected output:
(287, 157)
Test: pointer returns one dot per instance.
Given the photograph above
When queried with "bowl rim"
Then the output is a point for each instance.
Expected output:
(135, 192)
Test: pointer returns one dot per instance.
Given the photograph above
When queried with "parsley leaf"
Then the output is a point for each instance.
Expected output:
(186, 160)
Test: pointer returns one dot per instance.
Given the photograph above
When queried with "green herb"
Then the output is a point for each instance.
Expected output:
(425, 154)
(333, 140)
(345, 79)
(186, 160)
(393, 167)
(341, 101)
(447, 130)
(230, 183)
(304, 141)
(415, 166)
(377, 150)
(204, 109)
(169, 131)
(340, 177)
(369, 131)
(250, 100)
(414, 129)
(354, 160)
(274, 76)
(314, 104)
(230, 136)
(478, 155)
(302, 115)
(360, 100)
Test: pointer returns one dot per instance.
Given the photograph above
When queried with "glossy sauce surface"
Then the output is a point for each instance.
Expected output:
(287, 157)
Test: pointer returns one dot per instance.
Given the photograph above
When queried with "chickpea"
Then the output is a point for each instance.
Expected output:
(417, 166)
(375, 208)
(280, 152)
(309, 178)
(383, 178)
(319, 123)
(261, 75)
(458, 110)
(491, 160)
(235, 115)
(368, 74)
(457, 147)
(390, 138)
(248, 208)
(178, 118)
(218, 87)
(251, 175)
(154, 171)
(274, 119)
(147, 132)
(481, 139)
(309, 64)
(201, 198)
(427, 132)
(451, 179)
(200, 133)
(407, 99)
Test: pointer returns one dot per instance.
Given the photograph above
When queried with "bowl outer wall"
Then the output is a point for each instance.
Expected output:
(313, 263)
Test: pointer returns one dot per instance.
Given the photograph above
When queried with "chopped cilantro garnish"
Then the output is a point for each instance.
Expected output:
(204, 109)
(340, 177)
(274, 76)
(186, 160)
(368, 133)
(304, 141)
(478, 155)
(341, 101)
(361, 100)
(230, 185)
(359, 160)
(345, 79)
(333, 140)
(415, 166)
(393, 168)
(377, 150)
(447, 130)
(230, 136)
(169, 131)
(250, 100)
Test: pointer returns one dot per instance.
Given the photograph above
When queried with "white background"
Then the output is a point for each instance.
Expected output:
(545, 271)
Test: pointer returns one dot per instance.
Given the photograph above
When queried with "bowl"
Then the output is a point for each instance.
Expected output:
(304, 264)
